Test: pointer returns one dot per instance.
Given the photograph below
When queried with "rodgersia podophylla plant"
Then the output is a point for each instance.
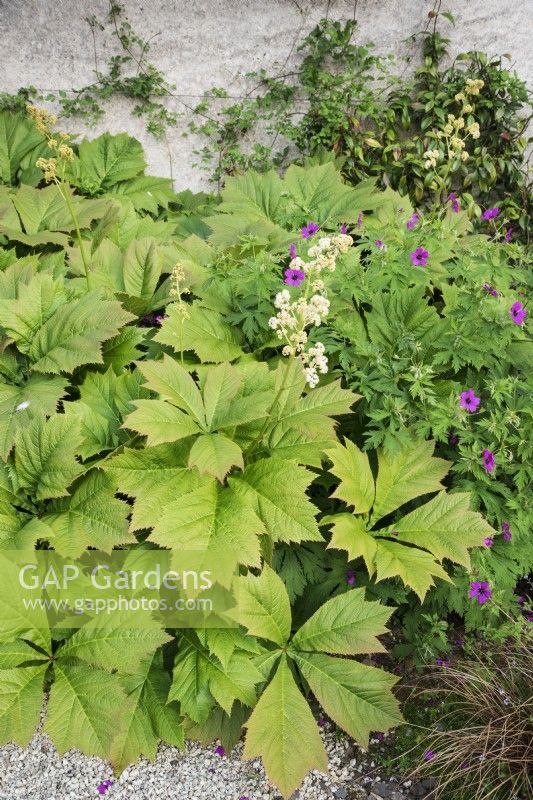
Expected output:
(311, 308)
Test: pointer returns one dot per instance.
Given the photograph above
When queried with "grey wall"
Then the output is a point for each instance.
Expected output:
(201, 43)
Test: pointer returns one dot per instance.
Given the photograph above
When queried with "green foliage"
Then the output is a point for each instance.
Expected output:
(376, 123)
(145, 406)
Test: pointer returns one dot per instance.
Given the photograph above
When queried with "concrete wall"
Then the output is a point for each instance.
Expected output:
(201, 43)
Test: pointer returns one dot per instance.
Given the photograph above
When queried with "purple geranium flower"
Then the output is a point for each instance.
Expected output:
(379, 736)
(442, 662)
(488, 542)
(412, 221)
(309, 230)
(379, 244)
(429, 755)
(508, 234)
(506, 532)
(480, 590)
(294, 277)
(491, 290)
(419, 257)
(455, 203)
(488, 460)
(219, 751)
(350, 577)
(103, 787)
(469, 401)
(518, 313)
(321, 722)
(344, 229)
(453, 438)
(490, 213)
(292, 251)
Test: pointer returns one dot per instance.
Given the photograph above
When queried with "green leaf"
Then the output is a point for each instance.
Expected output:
(15, 619)
(13, 654)
(91, 517)
(283, 732)
(148, 717)
(357, 697)
(253, 194)
(263, 606)
(190, 686)
(215, 454)
(320, 192)
(38, 395)
(110, 641)
(18, 137)
(410, 472)
(45, 456)
(173, 383)
(446, 527)
(415, 567)
(350, 533)
(277, 491)
(160, 422)
(222, 384)
(21, 700)
(202, 330)
(107, 160)
(74, 334)
(356, 486)
(82, 709)
(347, 625)
(146, 192)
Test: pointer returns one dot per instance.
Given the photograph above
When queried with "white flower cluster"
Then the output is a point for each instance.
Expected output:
(431, 156)
(294, 316)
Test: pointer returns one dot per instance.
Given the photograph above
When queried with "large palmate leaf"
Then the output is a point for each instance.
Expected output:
(320, 192)
(443, 527)
(16, 620)
(106, 161)
(215, 454)
(253, 194)
(45, 456)
(146, 192)
(283, 731)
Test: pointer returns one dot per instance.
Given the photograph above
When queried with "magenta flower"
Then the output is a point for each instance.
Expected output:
(469, 401)
(350, 577)
(481, 591)
(103, 787)
(344, 229)
(455, 203)
(442, 662)
(292, 251)
(379, 244)
(412, 221)
(321, 722)
(490, 213)
(219, 751)
(488, 542)
(506, 532)
(429, 755)
(491, 290)
(488, 460)
(294, 277)
(508, 234)
(419, 257)
(518, 313)
(453, 439)
(309, 230)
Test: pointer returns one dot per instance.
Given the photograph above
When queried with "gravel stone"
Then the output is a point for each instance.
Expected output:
(38, 772)
(382, 789)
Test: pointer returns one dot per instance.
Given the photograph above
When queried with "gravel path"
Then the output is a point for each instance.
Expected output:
(39, 773)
